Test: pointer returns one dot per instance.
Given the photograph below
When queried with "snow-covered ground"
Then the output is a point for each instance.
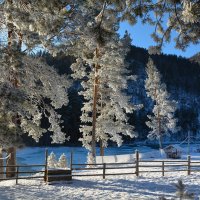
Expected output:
(149, 186)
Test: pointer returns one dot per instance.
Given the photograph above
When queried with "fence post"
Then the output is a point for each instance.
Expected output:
(17, 175)
(1, 164)
(137, 163)
(71, 160)
(104, 170)
(189, 166)
(46, 166)
(163, 168)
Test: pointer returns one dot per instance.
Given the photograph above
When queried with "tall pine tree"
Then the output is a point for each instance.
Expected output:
(162, 122)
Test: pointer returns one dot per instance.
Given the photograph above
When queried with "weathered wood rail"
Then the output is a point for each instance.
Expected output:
(137, 168)
(19, 172)
(58, 175)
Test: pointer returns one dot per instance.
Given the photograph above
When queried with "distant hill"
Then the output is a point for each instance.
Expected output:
(182, 77)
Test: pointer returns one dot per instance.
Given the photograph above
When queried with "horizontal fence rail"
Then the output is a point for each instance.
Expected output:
(102, 167)
(137, 168)
(22, 174)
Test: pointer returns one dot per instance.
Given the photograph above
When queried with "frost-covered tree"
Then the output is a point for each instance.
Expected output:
(162, 122)
(39, 93)
(36, 82)
(43, 20)
(100, 65)
(62, 162)
(51, 160)
(29, 88)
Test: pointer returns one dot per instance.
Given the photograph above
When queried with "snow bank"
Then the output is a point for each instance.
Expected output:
(128, 158)
(115, 158)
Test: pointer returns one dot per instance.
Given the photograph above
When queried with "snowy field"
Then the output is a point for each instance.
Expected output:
(122, 187)
(148, 186)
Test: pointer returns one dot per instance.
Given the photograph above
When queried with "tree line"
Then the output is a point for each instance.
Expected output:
(180, 75)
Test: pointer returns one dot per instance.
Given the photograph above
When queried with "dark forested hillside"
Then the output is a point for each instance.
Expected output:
(182, 77)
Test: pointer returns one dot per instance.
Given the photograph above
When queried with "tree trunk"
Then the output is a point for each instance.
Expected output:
(162, 153)
(94, 109)
(95, 91)
(11, 162)
(159, 131)
(1, 163)
(160, 142)
(101, 148)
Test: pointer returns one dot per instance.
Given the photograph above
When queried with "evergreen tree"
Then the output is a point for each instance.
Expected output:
(162, 121)
(51, 160)
(25, 84)
(104, 78)
(62, 162)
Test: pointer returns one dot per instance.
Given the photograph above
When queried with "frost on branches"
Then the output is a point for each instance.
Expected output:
(62, 162)
(29, 88)
(190, 12)
(104, 78)
(53, 163)
(162, 122)
(26, 84)
(51, 160)
(38, 21)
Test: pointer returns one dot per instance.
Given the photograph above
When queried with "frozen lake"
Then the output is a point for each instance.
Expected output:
(36, 155)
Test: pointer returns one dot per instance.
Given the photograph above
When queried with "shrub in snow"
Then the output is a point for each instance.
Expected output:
(62, 163)
(181, 192)
(51, 160)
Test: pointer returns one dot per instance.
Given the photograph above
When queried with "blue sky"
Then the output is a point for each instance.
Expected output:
(140, 35)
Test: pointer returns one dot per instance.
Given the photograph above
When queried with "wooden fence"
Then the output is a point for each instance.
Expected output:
(23, 174)
(137, 167)
(163, 166)
(102, 168)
